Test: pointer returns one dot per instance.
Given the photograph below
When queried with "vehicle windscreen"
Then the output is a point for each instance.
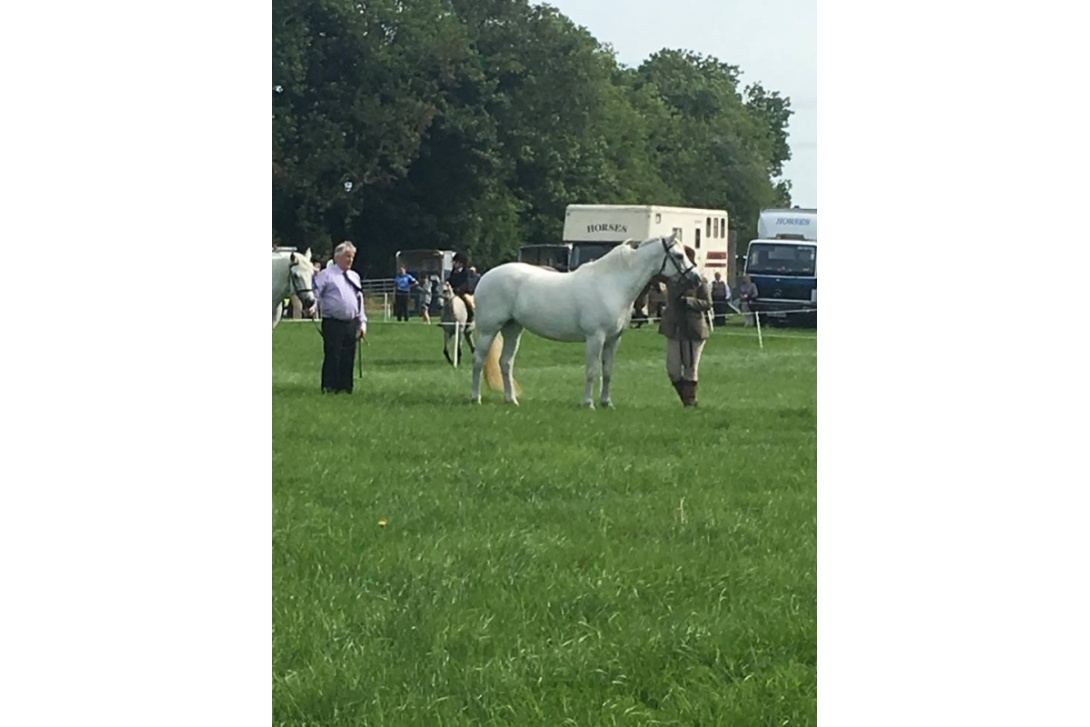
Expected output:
(769, 258)
(585, 252)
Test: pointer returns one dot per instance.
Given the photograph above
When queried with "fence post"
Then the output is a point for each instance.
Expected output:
(457, 343)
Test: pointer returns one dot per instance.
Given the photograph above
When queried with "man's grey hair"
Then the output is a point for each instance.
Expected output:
(344, 247)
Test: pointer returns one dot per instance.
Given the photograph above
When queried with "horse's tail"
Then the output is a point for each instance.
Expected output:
(492, 374)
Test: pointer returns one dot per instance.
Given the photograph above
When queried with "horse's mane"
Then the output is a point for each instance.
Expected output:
(622, 253)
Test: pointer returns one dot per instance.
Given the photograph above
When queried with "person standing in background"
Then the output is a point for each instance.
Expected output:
(403, 283)
(720, 298)
(748, 293)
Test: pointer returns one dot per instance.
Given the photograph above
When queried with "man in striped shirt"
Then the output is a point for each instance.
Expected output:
(339, 294)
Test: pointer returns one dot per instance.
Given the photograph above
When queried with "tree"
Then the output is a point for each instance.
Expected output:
(472, 124)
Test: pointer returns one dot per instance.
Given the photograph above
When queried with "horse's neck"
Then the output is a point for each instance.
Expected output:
(639, 267)
(282, 276)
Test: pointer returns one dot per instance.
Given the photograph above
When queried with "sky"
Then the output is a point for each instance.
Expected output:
(773, 42)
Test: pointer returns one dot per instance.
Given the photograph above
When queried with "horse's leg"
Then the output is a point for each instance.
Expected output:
(484, 344)
(446, 345)
(511, 333)
(609, 350)
(469, 338)
(595, 343)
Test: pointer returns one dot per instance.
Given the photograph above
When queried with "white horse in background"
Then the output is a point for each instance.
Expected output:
(292, 273)
(454, 324)
(592, 303)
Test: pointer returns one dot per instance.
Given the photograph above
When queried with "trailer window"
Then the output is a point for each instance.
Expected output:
(708, 227)
(722, 227)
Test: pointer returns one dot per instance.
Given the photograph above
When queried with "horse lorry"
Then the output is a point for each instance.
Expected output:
(554, 256)
(592, 230)
(782, 263)
(422, 263)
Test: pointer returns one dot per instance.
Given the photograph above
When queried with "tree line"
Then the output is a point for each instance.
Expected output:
(472, 124)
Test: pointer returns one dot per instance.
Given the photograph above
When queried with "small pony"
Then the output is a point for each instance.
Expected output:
(592, 303)
(292, 273)
(453, 321)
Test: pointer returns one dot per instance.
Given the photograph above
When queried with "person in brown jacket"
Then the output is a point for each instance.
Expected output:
(685, 325)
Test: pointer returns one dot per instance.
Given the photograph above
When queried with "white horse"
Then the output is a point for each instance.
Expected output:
(592, 303)
(454, 320)
(292, 272)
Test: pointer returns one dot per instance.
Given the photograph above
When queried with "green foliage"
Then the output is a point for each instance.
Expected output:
(545, 564)
(472, 124)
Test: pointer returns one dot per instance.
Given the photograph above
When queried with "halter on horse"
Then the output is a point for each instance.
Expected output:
(292, 273)
(454, 320)
(592, 303)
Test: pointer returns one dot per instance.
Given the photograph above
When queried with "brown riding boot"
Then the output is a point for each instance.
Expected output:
(677, 387)
(688, 393)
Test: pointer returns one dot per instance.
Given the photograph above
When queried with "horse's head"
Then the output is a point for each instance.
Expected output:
(447, 292)
(301, 273)
(676, 263)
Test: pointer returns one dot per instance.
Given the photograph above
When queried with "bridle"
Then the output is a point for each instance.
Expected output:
(291, 278)
(668, 256)
(296, 290)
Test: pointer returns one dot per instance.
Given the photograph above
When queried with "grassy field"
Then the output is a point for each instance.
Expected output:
(545, 565)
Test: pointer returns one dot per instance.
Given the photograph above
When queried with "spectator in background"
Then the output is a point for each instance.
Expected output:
(720, 299)
(748, 294)
(403, 283)
(434, 286)
(423, 299)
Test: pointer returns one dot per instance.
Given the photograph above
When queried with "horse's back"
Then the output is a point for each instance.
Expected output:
(555, 305)
(511, 276)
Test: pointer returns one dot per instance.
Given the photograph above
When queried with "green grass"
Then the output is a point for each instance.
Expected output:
(546, 564)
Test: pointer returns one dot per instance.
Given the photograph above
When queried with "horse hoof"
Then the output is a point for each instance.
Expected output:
(588, 404)
(606, 404)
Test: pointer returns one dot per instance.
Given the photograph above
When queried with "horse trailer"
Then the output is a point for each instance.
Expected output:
(782, 263)
(422, 263)
(592, 230)
(554, 256)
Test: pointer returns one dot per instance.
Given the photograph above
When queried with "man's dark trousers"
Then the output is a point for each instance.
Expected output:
(340, 350)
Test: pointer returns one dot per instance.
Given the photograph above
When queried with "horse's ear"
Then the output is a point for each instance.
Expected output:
(293, 260)
(633, 243)
(306, 255)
